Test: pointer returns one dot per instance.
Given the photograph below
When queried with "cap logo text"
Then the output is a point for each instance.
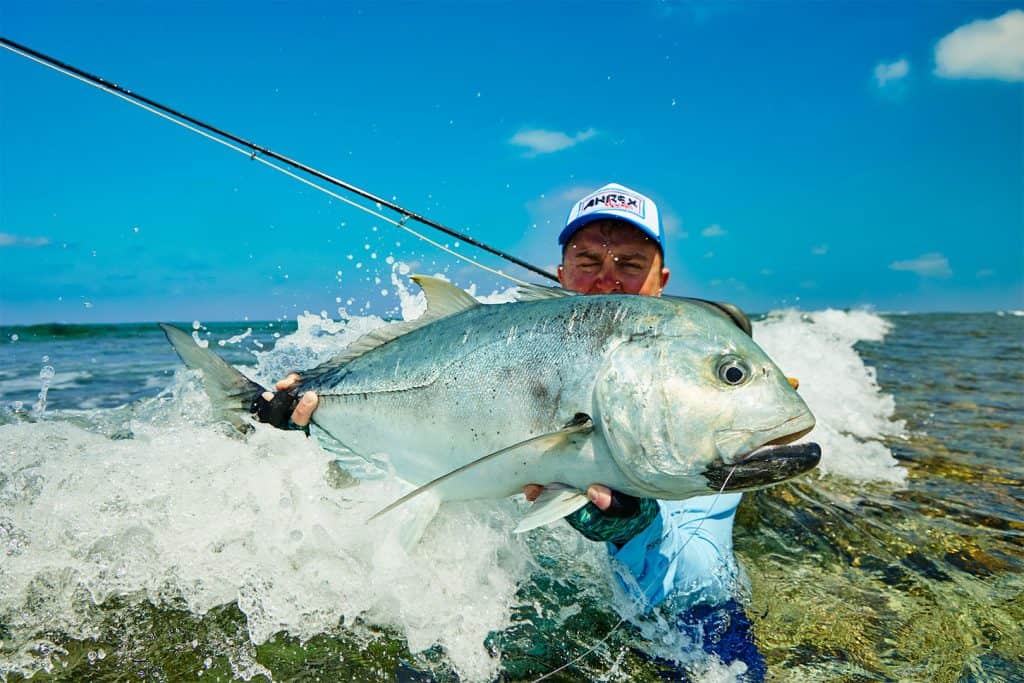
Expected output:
(613, 200)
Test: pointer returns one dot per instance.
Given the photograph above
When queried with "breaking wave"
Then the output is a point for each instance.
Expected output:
(153, 503)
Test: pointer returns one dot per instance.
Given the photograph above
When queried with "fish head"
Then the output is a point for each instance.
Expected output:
(680, 408)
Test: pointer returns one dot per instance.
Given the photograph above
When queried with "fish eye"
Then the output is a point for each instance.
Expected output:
(733, 371)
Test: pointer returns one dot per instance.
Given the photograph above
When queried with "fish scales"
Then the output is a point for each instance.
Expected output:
(653, 396)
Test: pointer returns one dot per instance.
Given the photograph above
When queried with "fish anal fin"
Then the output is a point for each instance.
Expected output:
(554, 503)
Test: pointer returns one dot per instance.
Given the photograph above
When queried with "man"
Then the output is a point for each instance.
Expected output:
(679, 550)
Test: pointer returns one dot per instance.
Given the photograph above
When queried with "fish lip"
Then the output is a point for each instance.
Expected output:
(767, 465)
(778, 434)
(780, 441)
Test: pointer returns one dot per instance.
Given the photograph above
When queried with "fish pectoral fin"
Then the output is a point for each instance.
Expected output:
(579, 424)
(554, 503)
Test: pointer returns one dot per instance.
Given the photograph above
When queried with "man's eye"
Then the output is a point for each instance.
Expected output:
(633, 266)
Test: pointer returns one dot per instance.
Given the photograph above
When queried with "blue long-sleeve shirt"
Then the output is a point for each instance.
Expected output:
(686, 552)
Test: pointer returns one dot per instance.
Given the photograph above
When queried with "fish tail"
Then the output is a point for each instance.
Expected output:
(231, 393)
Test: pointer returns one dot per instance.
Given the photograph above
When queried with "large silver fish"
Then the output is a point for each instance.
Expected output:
(654, 396)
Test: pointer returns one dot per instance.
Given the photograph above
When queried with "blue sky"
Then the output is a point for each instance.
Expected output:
(803, 154)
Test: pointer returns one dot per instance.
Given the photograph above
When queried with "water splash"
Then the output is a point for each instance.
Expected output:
(46, 374)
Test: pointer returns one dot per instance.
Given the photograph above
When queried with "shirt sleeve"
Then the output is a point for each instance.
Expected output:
(685, 552)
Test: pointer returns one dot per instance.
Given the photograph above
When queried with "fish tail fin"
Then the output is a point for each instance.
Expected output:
(230, 392)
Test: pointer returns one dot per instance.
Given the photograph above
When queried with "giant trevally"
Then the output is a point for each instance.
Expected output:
(657, 397)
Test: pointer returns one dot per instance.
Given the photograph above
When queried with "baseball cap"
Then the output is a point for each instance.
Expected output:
(617, 202)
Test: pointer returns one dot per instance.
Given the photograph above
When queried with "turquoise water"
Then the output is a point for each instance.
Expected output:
(140, 542)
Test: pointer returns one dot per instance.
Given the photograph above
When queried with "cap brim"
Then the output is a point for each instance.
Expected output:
(581, 222)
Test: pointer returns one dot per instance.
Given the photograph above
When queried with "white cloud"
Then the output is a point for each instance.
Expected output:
(540, 141)
(733, 283)
(893, 71)
(932, 264)
(986, 48)
(673, 225)
(9, 240)
(820, 250)
(714, 230)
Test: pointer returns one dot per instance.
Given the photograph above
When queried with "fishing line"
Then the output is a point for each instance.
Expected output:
(256, 153)
(622, 620)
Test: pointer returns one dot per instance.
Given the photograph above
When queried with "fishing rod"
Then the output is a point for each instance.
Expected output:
(256, 152)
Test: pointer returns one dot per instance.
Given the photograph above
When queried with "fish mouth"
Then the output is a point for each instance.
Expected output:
(771, 464)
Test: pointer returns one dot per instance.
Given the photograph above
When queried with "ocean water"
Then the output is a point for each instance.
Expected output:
(140, 540)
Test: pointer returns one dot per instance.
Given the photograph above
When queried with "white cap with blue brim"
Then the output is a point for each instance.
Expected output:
(616, 202)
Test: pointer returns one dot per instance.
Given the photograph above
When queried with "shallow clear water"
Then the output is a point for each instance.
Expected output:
(140, 541)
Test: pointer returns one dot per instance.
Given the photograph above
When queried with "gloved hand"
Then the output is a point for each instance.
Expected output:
(610, 516)
(286, 409)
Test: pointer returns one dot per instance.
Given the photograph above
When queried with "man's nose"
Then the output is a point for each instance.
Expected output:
(607, 280)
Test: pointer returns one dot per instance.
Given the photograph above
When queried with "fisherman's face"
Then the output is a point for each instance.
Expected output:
(612, 257)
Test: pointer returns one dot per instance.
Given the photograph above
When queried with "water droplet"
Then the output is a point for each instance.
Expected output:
(14, 337)
(135, 229)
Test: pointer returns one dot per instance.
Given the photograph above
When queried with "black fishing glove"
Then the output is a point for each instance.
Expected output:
(625, 518)
(278, 410)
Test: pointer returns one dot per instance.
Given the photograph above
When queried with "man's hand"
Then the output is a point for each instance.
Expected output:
(599, 495)
(275, 406)
(611, 516)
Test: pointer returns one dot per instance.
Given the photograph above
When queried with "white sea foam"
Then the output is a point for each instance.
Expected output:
(184, 514)
(852, 411)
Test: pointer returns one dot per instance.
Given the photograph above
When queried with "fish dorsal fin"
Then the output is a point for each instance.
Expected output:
(729, 311)
(529, 292)
(579, 424)
(443, 299)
